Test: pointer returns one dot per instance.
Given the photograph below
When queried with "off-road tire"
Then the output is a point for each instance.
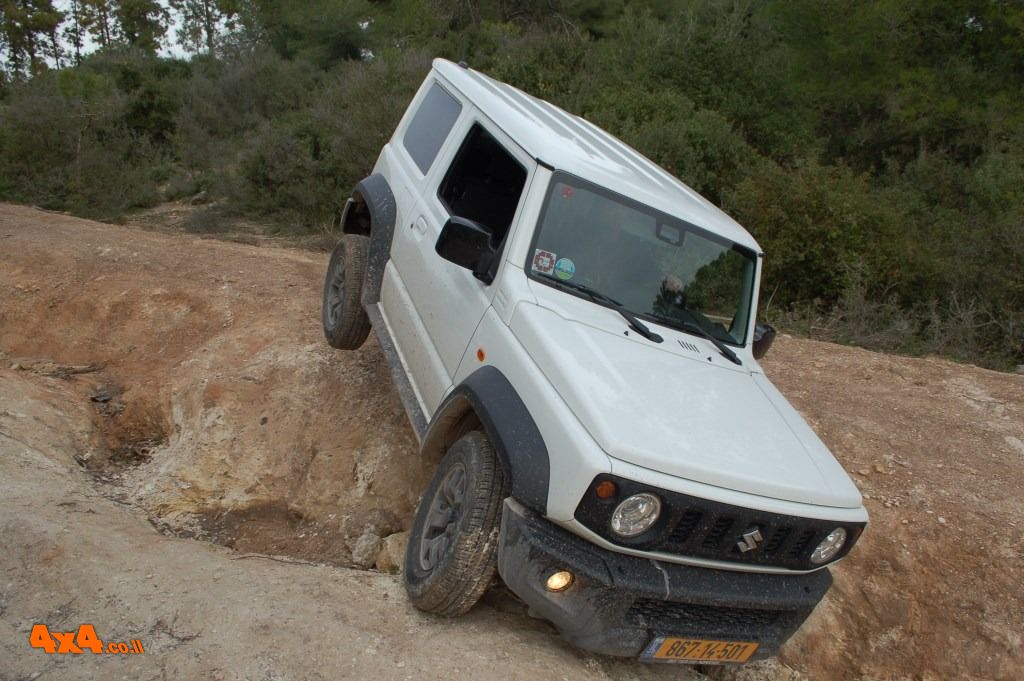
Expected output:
(346, 325)
(458, 578)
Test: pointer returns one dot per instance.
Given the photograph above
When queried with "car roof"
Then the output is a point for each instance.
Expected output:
(567, 142)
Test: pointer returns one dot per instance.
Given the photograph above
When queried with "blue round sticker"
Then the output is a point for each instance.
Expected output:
(565, 268)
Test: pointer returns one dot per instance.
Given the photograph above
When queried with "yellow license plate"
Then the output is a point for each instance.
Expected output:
(672, 649)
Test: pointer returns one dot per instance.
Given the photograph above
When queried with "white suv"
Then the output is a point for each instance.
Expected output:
(573, 334)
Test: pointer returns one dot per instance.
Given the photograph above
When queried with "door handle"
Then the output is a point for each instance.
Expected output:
(420, 225)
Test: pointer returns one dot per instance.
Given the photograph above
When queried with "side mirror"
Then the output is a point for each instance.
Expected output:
(764, 336)
(468, 244)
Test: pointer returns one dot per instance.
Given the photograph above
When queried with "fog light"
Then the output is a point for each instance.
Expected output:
(829, 546)
(559, 581)
(636, 514)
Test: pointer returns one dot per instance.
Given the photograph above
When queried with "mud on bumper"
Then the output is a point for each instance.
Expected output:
(617, 604)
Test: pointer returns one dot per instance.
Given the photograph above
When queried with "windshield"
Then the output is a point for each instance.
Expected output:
(660, 268)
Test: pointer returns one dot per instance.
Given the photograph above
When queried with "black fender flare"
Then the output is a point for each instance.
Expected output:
(375, 194)
(489, 395)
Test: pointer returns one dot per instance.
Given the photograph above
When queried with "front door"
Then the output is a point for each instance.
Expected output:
(476, 177)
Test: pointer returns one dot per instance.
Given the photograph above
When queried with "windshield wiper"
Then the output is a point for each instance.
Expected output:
(703, 333)
(599, 297)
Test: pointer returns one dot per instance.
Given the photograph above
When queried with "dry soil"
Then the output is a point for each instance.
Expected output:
(185, 462)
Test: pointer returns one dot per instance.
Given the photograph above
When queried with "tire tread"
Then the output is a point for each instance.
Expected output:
(351, 331)
(457, 585)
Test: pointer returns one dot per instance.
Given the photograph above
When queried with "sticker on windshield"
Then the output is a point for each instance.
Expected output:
(564, 269)
(543, 261)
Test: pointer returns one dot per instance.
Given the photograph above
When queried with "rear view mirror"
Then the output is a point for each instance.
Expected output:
(764, 336)
(468, 244)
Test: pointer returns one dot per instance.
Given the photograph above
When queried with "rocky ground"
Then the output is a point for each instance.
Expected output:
(157, 389)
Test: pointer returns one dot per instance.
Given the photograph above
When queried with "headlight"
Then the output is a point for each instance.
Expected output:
(636, 514)
(829, 546)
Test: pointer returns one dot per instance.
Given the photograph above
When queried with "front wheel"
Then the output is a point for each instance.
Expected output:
(453, 546)
(346, 324)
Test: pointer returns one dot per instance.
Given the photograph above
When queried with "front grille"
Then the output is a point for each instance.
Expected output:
(685, 527)
(710, 534)
(691, 526)
(686, 618)
(803, 544)
(778, 538)
(717, 532)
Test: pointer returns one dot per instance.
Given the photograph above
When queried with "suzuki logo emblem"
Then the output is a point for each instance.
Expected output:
(751, 540)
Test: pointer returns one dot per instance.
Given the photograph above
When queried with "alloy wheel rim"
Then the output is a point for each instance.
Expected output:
(442, 518)
(336, 295)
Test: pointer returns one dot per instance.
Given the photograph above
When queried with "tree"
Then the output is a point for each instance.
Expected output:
(323, 32)
(97, 19)
(28, 32)
(143, 23)
(202, 20)
(74, 32)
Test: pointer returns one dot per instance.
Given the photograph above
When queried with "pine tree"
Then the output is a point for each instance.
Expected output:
(28, 32)
(74, 32)
(143, 23)
(201, 21)
(97, 18)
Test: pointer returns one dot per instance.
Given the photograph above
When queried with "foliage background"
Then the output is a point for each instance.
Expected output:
(875, 149)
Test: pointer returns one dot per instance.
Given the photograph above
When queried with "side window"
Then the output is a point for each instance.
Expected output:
(430, 126)
(484, 183)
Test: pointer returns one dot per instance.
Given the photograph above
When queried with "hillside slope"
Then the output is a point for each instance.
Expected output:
(185, 381)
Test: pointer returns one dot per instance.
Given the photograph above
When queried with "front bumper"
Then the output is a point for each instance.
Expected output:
(618, 603)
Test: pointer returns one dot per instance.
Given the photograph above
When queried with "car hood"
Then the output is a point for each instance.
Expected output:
(679, 410)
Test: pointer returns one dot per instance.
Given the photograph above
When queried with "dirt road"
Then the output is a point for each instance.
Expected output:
(156, 389)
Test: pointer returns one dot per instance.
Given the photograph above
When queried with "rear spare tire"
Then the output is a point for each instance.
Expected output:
(346, 325)
(452, 552)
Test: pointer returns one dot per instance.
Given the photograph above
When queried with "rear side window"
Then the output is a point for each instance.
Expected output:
(430, 126)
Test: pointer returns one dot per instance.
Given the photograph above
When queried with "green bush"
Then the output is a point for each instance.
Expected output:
(66, 145)
(301, 166)
(815, 223)
(873, 149)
